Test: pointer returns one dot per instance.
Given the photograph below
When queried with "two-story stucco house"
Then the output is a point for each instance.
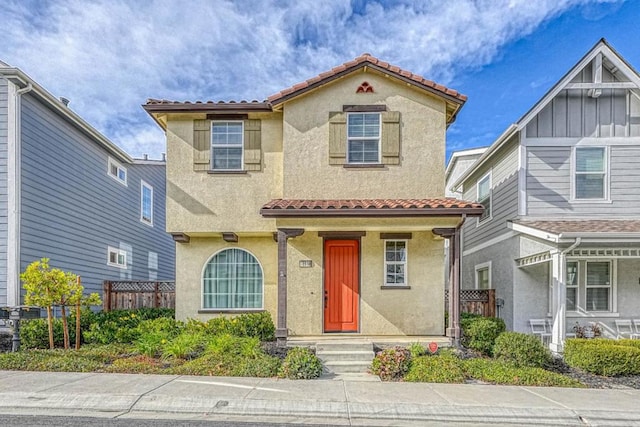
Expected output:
(560, 235)
(69, 194)
(323, 205)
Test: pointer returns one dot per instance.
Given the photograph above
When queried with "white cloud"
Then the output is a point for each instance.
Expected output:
(108, 57)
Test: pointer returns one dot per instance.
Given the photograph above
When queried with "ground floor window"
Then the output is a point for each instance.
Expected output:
(395, 261)
(483, 276)
(591, 285)
(232, 279)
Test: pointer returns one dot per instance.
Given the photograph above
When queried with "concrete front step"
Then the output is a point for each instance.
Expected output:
(346, 346)
(346, 367)
(355, 356)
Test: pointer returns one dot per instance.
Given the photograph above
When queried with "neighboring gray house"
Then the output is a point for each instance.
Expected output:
(69, 194)
(560, 236)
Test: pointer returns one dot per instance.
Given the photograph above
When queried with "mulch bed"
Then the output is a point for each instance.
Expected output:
(595, 381)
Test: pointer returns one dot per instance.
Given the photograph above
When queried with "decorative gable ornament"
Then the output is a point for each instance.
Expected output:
(365, 87)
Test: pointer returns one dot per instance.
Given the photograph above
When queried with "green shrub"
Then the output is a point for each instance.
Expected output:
(442, 368)
(184, 346)
(151, 344)
(521, 350)
(603, 357)
(253, 325)
(480, 333)
(300, 364)
(34, 333)
(498, 372)
(391, 364)
(416, 349)
(122, 325)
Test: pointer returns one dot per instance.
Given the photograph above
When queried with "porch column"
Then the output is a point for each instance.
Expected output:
(559, 301)
(453, 235)
(283, 235)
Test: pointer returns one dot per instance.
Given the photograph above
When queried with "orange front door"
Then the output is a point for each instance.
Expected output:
(341, 285)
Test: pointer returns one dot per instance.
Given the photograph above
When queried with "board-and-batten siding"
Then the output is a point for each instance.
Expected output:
(3, 190)
(504, 193)
(549, 183)
(72, 210)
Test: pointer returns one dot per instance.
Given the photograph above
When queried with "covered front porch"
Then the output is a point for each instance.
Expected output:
(592, 276)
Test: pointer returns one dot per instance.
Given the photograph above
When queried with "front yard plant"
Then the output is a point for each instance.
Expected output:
(603, 356)
(521, 350)
(300, 363)
(480, 333)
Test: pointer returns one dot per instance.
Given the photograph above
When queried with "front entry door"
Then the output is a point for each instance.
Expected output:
(341, 285)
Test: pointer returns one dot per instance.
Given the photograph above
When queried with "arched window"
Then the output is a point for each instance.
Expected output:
(232, 279)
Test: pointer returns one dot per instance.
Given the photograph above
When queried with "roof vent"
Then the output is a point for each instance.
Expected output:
(65, 101)
(146, 156)
(164, 157)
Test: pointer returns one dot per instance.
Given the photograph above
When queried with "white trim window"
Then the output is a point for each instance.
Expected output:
(232, 280)
(483, 275)
(116, 171)
(227, 141)
(598, 284)
(395, 262)
(483, 196)
(590, 173)
(573, 291)
(363, 138)
(146, 203)
(116, 257)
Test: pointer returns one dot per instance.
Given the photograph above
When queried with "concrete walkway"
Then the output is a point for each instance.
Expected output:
(330, 401)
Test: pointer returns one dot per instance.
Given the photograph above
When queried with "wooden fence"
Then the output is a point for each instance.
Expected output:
(477, 301)
(130, 295)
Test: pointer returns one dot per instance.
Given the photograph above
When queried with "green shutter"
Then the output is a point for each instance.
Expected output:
(201, 145)
(391, 137)
(337, 138)
(252, 145)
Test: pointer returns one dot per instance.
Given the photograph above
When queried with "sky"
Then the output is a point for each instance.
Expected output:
(109, 56)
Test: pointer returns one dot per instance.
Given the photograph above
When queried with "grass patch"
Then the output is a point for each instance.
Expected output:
(504, 373)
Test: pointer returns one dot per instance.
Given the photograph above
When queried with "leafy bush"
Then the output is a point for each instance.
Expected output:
(254, 325)
(603, 357)
(185, 346)
(498, 372)
(480, 333)
(521, 350)
(442, 368)
(34, 333)
(416, 349)
(122, 325)
(391, 364)
(300, 364)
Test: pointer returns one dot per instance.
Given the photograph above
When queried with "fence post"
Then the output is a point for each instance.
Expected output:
(106, 305)
(156, 295)
(491, 312)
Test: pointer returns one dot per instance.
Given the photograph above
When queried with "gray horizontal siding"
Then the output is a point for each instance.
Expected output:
(504, 196)
(72, 210)
(549, 183)
(3, 190)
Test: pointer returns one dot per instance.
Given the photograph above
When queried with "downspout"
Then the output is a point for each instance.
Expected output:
(558, 332)
(14, 195)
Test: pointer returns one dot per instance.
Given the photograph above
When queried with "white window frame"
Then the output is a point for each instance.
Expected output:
(606, 184)
(119, 168)
(405, 263)
(479, 267)
(362, 138)
(582, 288)
(118, 253)
(609, 286)
(487, 176)
(577, 281)
(216, 309)
(143, 185)
(213, 123)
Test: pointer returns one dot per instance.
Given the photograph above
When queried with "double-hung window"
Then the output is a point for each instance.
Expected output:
(590, 173)
(395, 262)
(484, 196)
(363, 138)
(146, 203)
(598, 286)
(227, 139)
(483, 275)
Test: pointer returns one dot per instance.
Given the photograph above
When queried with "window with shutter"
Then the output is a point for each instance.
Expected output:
(230, 145)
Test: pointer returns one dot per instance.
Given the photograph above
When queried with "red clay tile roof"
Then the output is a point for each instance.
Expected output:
(584, 226)
(373, 62)
(370, 207)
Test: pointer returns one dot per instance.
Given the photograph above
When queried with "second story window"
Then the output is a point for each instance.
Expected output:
(590, 173)
(117, 171)
(363, 138)
(484, 195)
(226, 145)
(146, 203)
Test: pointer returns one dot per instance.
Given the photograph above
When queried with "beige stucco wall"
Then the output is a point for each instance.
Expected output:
(308, 173)
(199, 202)
(190, 261)
(415, 311)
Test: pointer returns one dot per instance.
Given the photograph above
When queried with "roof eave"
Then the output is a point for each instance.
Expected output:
(226, 108)
(389, 213)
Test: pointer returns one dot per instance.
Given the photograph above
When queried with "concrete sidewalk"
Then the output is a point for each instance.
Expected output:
(335, 402)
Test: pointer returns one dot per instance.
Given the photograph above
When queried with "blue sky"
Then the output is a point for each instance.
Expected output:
(109, 56)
